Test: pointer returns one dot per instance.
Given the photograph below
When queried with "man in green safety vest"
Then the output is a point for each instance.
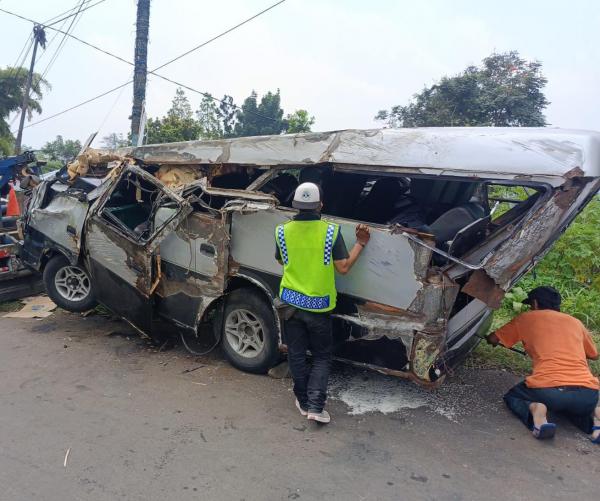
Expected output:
(311, 250)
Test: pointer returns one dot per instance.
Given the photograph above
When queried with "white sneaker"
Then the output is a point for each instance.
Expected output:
(302, 411)
(320, 417)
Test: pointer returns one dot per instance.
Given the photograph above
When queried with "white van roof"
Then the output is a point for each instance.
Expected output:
(489, 152)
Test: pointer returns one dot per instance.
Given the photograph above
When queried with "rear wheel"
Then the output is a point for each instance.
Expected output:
(249, 335)
(70, 287)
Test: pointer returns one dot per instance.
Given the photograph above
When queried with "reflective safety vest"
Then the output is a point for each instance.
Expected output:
(306, 250)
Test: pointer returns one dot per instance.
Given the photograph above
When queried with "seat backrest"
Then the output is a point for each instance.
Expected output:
(469, 236)
(379, 205)
(340, 193)
(451, 222)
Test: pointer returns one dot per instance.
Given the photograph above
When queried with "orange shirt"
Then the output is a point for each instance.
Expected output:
(558, 345)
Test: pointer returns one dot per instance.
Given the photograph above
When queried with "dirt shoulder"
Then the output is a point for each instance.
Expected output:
(139, 427)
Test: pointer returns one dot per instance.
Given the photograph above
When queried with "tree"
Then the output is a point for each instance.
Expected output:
(114, 141)
(209, 118)
(299, 121)
(227, 115)
(261, 119)
(178, 124)
(180, 106)
(61, 150)
(12, 88)
(504, 91)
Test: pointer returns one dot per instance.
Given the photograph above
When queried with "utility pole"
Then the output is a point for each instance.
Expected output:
(39, 38)
(141, 67)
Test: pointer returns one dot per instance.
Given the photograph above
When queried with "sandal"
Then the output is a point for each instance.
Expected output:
(547, 430)
(597, 439)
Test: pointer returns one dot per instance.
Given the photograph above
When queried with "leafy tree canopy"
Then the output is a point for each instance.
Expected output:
(504, 91)
(299, 121)
(215, 119)
(210, 119)
(260, 119)
(12, 89)
(177, 125)
(61, 149)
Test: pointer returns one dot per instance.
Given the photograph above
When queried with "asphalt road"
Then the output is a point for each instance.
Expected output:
(138, 427)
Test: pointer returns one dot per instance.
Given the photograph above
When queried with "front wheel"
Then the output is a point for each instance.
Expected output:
(249, 335)
(70, 287)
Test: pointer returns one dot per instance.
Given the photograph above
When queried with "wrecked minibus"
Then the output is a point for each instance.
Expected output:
(184, 233)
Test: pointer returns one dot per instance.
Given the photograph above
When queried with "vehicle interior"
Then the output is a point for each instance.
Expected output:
(458, 214)
(132, 206)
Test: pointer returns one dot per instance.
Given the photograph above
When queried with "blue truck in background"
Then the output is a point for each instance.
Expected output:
(16, 280)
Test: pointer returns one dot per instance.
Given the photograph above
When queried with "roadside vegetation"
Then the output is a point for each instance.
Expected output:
(572, 267)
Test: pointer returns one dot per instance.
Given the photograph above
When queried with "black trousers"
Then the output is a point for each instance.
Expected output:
(575, 402)
(304, 331)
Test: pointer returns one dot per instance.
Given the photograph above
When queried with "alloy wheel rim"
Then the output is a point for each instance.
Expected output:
(72, 283)
(245, 333)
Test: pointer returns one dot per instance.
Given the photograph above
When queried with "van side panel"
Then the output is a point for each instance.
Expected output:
(386, 272)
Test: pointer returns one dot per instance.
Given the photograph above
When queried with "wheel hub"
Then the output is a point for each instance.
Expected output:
(245, 333)
(72, 283)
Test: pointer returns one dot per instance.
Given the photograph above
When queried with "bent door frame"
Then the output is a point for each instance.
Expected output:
(125, 270)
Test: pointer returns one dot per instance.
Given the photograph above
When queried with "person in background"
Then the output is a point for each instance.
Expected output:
(311, 250)
(559, 346)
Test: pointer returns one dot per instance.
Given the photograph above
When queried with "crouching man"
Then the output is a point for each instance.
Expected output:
(311, 251)
(559, 346)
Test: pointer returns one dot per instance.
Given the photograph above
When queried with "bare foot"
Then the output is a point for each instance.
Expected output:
(538, 412)
(596, 433)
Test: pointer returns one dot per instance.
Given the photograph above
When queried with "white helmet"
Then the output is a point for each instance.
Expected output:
(307, 196)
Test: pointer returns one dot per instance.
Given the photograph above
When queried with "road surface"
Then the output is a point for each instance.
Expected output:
(137, 426)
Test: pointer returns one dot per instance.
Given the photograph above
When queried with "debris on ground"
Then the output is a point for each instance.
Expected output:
(35, 307)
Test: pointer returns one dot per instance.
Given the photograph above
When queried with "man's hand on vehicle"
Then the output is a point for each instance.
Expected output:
(362, 234)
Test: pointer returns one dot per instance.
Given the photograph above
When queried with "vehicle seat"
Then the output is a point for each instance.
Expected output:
(340, 193)
(452, 221)
(379, 206)
(282, 187)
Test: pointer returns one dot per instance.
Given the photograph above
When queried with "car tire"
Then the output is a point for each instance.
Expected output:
(248, 332)
(69, 286)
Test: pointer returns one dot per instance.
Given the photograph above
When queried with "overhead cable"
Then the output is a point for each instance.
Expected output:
(206, 94)
(64, 39)
(71, 15)
(69, 11)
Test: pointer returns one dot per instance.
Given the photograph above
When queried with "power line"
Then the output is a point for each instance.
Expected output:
(80, 104)
(54, 22)
(239, 25)
(71, 15)
(65, 12)
(153, 72)
(63, 41)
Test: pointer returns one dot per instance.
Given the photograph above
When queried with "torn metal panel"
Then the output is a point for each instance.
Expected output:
(61, 220)
(496, 153)
(195, 258)
(481, 286)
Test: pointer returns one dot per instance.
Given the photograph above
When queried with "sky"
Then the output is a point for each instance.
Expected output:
(342, 60)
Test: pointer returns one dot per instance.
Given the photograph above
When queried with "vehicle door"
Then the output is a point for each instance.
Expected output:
(123, 233)
(195, 258)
